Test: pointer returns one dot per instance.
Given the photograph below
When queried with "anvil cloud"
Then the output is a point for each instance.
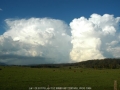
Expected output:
(36, 37)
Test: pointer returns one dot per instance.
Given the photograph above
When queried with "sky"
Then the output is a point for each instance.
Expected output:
(58, 31)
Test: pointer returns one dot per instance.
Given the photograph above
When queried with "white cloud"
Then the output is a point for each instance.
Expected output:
(35, 37)
(0, 9)
(91, 37)
(49, 41)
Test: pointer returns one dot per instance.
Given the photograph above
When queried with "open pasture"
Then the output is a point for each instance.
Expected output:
(22, 78)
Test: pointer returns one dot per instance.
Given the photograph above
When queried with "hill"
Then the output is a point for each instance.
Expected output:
(109, 63)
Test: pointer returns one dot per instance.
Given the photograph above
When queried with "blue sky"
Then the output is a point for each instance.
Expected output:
(65, 10)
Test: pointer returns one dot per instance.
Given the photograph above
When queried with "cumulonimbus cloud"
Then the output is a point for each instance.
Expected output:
(46, 40)
(37, 37)
(96, 37)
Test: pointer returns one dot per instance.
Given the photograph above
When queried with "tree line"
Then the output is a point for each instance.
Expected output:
(110, 63)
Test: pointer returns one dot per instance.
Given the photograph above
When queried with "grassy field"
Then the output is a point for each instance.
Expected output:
(25, 78)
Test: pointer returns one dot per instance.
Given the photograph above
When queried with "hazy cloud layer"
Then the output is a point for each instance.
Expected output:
(45, 40)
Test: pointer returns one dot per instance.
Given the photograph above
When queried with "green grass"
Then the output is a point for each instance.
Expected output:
(21, 78)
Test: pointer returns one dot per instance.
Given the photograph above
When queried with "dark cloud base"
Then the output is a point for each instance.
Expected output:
(24, 60)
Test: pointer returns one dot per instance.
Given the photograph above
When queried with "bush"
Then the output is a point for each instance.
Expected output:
(70, 68)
